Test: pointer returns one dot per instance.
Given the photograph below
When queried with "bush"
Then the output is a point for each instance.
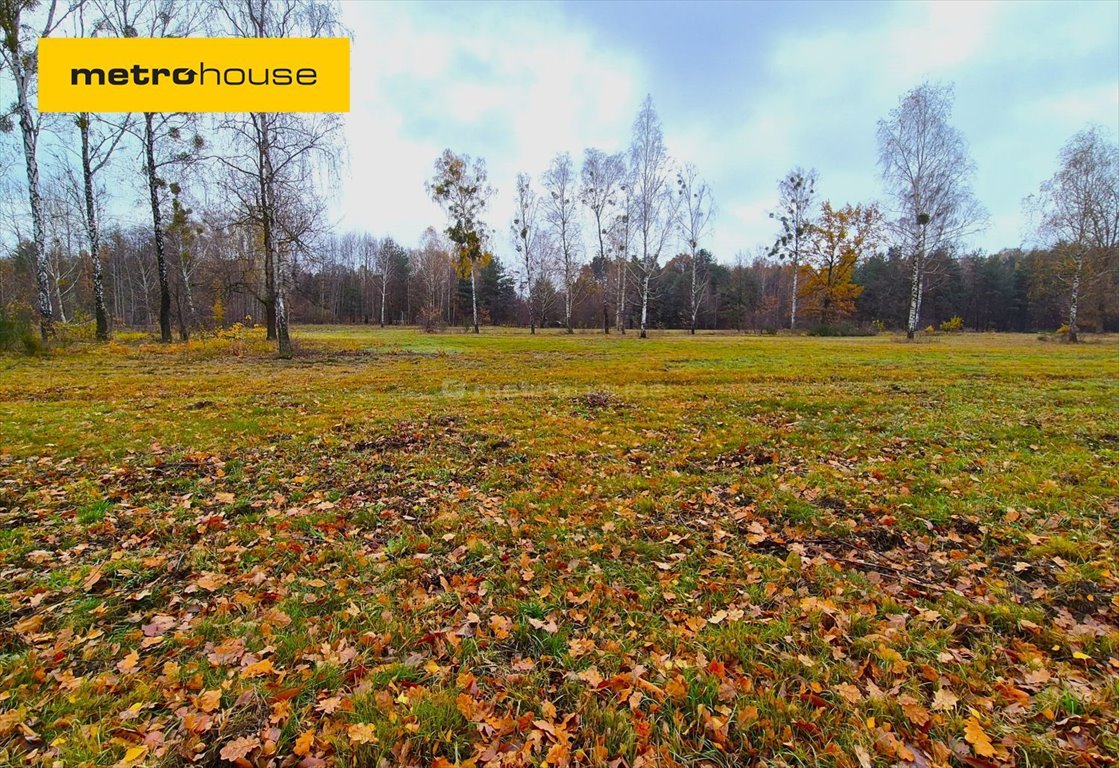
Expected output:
(954, 325)
(18, 332)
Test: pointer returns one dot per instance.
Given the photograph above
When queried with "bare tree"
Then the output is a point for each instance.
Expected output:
(560, 206)
(460, 186)
(795, 209)
(619, 238)
(654, 204)
(169, 141)
(527, 239)
(1079, 212)
(602, 180)
(278, 154)
(19, 48)
(387, 254)
(927, 169)
(696, 211)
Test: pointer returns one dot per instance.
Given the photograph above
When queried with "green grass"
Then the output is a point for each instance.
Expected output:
(712, 550)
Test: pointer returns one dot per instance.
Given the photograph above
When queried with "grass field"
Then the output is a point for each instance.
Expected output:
(512, 550)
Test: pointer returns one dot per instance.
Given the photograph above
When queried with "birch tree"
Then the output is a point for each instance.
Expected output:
(603, 177)
(277, 155)
(1079, 213)
(527, 239)
(697, 208)
(460, 187)
(654, 204)
(561, 210)
(795, 212)
(168, 141)
(19, 49)
(927, 170)
(619, 237)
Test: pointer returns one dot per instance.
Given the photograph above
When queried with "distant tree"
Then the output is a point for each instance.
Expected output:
(795, 211)
(1079, 214)
(927, 170)
(696, 211)
(739, 293)
(387, 261)
(528, 238)
(497, 292)
(837, 241)
(459, 185)
(603, 180)
(884, 298)
(560, 206)
(654, 204)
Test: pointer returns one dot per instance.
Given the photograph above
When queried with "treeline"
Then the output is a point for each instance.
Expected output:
(234, 226)
(360, 279)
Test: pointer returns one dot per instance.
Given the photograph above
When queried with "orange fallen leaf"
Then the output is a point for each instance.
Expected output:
(978, 738)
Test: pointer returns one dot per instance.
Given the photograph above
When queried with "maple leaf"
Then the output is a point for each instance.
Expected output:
(304, 742)
(677, 687)
(362, 733)
(978, 738)
(257, 669)
(500, 626)
(128, 664)
(330, 705)
(208, 701)
(944, 700)
(916, 713)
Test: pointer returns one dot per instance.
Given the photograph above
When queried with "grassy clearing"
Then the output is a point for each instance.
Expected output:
(558, 550)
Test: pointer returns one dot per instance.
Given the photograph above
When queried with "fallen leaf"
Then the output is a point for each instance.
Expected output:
(978, 738)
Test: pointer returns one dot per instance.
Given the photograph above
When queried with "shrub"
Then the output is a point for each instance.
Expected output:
(18, 332)
(954, 325)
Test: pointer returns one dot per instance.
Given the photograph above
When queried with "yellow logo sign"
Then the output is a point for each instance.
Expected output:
(143, 74)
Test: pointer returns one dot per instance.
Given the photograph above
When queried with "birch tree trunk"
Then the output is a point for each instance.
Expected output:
(644, 303)
(384, 294)
(796, 281)
(914, 298)
(620, 313)
(1074, 299)
(474, 296)
(157, 232)
(100, 314)
(30, 134)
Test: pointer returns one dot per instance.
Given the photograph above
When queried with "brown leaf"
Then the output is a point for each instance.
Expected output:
(238, 748)
(944, 700)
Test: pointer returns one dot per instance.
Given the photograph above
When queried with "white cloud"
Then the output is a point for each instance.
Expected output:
(507, 83)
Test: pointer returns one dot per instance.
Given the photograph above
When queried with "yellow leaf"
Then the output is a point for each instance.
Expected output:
(1080, 656)
(362, 733)
(303, 743)
(978, 738)
(135, 753)
(208, 701)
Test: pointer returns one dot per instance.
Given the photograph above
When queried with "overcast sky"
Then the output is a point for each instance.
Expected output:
(744, 90)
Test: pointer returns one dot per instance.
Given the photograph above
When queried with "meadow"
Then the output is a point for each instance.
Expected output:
(444, 549)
